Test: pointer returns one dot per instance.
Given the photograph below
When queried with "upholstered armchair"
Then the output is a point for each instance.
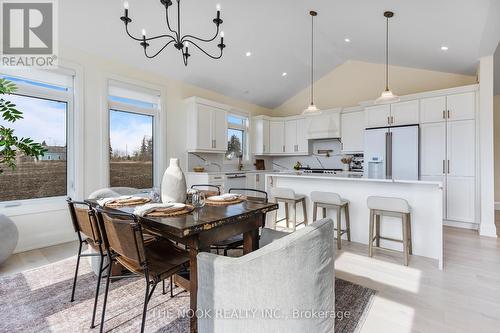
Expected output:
(110, 192)
(274, 289)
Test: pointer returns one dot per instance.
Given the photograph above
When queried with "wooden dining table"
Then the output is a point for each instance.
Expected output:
(204, 227)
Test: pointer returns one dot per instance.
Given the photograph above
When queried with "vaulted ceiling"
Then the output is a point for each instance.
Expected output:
(277, 32)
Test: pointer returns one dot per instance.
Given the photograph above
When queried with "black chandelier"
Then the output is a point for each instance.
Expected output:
(181, 43)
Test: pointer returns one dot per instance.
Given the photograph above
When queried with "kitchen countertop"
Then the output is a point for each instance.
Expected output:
(230, 172)
(350, 176)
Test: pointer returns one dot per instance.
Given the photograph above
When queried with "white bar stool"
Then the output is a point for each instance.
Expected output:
(288, 196)
(329, 200)
(395, 207)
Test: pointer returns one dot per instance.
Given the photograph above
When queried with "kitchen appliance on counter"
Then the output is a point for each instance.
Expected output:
(392, 152)
(321, 171)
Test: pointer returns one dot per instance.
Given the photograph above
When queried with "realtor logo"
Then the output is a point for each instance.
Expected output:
(29, 33)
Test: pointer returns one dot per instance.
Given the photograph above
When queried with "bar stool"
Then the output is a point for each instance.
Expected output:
(395, 207)
(329, 200)
(288, 196)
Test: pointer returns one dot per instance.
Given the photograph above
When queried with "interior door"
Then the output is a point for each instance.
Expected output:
(432, 149)
(276, 137)
(462, 106)
(291, 136)
(204, 128)
(404, 150)
(461, 148)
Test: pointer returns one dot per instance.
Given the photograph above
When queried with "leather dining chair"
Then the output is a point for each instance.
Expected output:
(86, 227)
(159, 260)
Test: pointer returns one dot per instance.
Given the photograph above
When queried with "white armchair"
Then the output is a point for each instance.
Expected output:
(274, 289)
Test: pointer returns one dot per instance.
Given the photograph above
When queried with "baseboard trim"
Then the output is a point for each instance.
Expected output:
(462, 225)
(489, 230)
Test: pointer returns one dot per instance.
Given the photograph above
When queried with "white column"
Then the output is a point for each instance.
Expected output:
(487, 195)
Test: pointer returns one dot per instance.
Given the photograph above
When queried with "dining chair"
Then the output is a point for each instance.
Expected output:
(205, 187)
(123, 238)
(85, 224)
(236, 241)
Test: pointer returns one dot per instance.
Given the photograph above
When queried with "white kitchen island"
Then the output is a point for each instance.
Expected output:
(425, 199)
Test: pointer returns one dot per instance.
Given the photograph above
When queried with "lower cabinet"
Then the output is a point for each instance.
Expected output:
(460, 197)
(256, 181)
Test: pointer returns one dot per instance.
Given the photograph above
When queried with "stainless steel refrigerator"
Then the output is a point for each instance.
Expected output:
(392, 152)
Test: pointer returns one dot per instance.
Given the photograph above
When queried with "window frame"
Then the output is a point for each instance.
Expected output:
(68, 97)
(126, 107)
(246, 134)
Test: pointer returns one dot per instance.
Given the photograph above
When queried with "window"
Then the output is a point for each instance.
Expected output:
(46, 106)
(237, 126)
(132, 116)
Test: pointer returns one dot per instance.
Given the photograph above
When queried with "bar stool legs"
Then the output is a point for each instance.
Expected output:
(293, 202)
(338, 209)
(375, 236)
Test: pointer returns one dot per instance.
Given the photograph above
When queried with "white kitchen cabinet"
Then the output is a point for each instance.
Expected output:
(302, 134)
(461, 148)
(433, 109)
(206, 126)
(404, 113)
(432, 149)
(461, 106)
(460, 195)
(256, 181)
(377, 116)
(291, 136)
(352, 129)
(276, 137)
(260, 136)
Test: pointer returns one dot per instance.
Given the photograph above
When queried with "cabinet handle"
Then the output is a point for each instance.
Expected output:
(263, 148)
(388, 120)
(392, 119)
(444, 171)
(448, 166)
(444, 114)
(283, 148)
(448, 114)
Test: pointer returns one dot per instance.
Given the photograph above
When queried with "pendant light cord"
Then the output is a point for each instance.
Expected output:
(387, 55)
(312, 60)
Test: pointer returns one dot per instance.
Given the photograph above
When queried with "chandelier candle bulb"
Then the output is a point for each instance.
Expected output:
(125, 4)
(143, 32)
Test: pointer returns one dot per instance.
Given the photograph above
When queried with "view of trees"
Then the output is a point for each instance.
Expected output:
(142, 153)
(234, 147)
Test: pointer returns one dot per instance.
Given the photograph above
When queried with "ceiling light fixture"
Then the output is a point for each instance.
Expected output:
(347, 40)
(284, 74)
(312, 109)
(387, 96)
(248, 54)
(444, 48)
(181, 43)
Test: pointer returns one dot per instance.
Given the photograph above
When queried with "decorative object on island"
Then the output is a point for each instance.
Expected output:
(9, 142)
(8, 237)
(297, 165)
(181, 43)
(198, 169)
(312, 109)
(387, 95)
(346, 163)
(259, 164)
(173, 184)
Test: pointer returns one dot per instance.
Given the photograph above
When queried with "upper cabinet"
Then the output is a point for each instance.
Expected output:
(206, 125)
(260, 136)
(451, 107)
(277, 137)
(397, 114)
(353, 129)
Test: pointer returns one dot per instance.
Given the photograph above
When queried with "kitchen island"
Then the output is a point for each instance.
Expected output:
(424, 197)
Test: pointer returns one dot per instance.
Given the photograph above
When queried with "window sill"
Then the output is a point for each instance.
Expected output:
(33, 206)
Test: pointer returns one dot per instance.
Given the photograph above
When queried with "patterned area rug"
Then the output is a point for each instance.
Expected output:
(38, 301)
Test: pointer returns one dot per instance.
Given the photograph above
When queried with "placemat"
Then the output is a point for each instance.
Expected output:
(182, 211)
(124, 203)
(225, 203)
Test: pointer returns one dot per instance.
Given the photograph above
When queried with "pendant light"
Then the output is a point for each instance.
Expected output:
(312, 109)
(387, 96)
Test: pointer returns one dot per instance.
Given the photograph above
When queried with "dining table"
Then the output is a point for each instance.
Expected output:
(203, 227)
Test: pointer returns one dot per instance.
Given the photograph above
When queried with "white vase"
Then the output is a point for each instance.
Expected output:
(173, 184)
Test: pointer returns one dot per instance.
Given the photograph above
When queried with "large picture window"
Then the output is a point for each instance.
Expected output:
(45, 110)
(132, 113)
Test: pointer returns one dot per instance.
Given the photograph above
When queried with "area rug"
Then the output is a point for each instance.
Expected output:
(38, 301)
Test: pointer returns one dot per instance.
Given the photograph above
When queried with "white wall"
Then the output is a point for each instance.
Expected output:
(46, 222)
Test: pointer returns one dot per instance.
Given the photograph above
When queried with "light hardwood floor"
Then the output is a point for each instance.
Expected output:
(465, 297)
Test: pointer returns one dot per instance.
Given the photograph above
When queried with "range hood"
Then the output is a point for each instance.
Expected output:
(324, 126)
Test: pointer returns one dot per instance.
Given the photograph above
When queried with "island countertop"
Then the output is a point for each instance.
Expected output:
(424, 197)
(352, 177)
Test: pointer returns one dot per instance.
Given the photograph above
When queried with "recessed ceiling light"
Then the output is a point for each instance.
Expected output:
(444, 48)
(347, 40)
(248, 54)
(284, 74)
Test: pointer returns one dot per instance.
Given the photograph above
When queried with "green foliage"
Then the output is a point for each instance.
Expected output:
(10, 144)
(233, 147)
